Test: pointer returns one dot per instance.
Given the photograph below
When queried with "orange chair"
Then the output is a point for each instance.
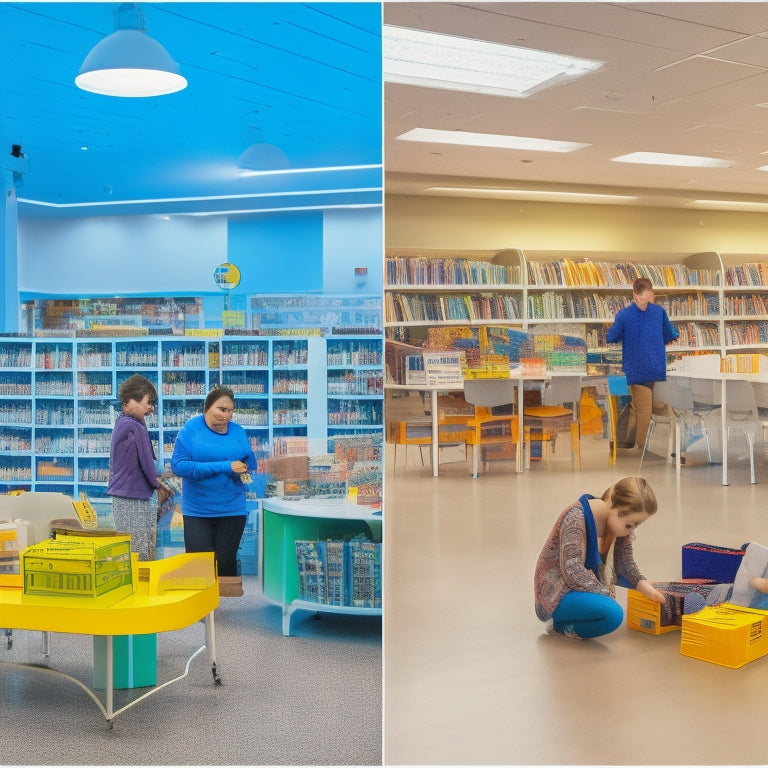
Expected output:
(486, 430)
(419, 432)
(551, 418)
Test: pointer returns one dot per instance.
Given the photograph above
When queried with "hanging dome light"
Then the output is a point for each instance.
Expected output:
(262, 156)
(129, 62)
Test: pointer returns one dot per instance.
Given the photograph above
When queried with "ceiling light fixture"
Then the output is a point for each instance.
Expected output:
(129, 62)
(661, 158)
(263, 157)
(727, 205)
(328, 169)
(433, 60)
(498, 141)
(550, 196)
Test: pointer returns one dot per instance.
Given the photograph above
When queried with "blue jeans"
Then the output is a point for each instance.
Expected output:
(220, 535)
(590, 614)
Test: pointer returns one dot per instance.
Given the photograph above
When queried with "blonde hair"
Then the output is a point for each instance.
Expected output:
(630, 495)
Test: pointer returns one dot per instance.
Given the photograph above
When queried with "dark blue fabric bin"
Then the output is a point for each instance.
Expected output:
(707, 561)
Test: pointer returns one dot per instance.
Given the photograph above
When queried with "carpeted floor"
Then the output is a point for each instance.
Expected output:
(310, 699)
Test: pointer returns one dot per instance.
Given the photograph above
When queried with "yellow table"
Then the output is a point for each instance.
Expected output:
(170, 594)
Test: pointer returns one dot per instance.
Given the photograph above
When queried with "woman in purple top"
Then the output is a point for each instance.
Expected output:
(132, 471)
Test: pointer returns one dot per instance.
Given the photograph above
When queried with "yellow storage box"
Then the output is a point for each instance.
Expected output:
(725, 634)
(78, 566)
(644, 615)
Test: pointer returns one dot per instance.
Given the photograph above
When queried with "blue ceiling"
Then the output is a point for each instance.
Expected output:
(306, 77)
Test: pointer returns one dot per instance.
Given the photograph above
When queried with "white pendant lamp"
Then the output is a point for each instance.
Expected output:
(261, 156)
(129, 62)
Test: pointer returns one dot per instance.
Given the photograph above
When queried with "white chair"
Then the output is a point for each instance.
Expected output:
(741, 415)
(673, 406)
(486, 428)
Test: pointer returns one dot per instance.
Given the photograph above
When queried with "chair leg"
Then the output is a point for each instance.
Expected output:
(648, 435)
(474, 460)
(751, 444)
(575, 445)
(671, 438)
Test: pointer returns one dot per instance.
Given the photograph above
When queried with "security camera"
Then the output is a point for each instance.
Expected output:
(16, 161)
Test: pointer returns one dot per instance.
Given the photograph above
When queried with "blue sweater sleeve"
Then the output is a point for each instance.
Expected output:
(616, 331)
(669, 330)
(184, 464)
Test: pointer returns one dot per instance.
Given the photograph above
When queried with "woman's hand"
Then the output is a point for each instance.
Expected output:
(239, 467)
(644, 587)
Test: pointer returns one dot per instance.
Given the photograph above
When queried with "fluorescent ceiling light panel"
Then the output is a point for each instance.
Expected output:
(727, 205)
(534, 194)
(328, 169)
(498, 141)
(661, 158)
(433, 60)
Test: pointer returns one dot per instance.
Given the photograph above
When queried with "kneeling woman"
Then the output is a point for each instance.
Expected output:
(588, 553)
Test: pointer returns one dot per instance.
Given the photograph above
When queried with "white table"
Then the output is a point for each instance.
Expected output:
(755, 379)
(518, 381)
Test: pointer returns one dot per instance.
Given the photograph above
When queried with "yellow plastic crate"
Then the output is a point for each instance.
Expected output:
(728, 635)
(78, 566)
(644, 615)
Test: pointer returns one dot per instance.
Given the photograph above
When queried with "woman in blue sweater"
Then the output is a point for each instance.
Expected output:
(644, 330)
(212, 455)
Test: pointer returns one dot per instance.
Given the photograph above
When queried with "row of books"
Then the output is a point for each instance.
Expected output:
(403, 307)
(619, 274)
(687, 305)
(747, 304)
(695, 334)
(747, 274)
(422, 270)
(557, 305)
(746, 333)
(340, 573)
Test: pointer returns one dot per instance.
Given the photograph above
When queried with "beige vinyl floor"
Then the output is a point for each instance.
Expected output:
(470, 676)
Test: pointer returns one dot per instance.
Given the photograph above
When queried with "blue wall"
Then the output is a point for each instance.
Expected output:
(296, 252)
(278, 253)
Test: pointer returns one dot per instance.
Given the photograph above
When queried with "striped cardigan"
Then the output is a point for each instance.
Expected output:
(560, 568)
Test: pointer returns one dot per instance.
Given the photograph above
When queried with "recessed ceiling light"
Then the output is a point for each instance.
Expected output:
(552, 196)
(661, 158)
(499, 141)
(728, 205)
(433, 60)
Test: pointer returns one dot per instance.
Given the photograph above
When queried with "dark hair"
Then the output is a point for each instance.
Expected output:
(631, 495)
(217, 392)
(135, 388)
(642, 284)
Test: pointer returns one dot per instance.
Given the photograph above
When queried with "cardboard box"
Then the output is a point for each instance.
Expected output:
(725, 634)
(644, 615)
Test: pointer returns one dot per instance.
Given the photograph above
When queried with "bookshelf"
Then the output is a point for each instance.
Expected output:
(58, 396)
(718, 303)
(171, 315)
(334, 313)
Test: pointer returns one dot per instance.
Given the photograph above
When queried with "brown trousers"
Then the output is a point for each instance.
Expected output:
(642, 400)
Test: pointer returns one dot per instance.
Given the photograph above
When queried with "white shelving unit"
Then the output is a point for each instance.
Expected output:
(718, 304)
(59, 396)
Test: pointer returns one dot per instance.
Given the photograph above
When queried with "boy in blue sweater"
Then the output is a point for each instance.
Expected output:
(644, 330)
